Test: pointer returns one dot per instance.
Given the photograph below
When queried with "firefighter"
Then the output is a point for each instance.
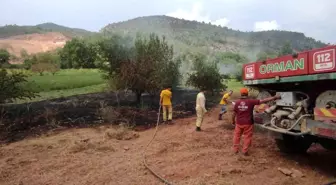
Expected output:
(166, 104)
(224, 102)
(200, 109)
(242, 119)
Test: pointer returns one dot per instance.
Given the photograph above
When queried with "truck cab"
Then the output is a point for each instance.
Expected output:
(306, 112)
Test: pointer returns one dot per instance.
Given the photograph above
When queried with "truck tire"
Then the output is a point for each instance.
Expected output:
(293, 144)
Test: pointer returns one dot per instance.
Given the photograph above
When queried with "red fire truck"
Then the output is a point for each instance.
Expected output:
(306, 113)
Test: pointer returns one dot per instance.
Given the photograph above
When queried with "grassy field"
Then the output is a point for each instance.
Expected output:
(71, 82)
(65, 80)
(234, 85)
(64, 83)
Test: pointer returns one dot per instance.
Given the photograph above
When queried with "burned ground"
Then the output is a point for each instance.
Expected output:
(90, 110)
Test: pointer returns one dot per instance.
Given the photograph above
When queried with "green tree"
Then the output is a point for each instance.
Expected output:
(146, 65)
(238, 75)
(4, 56)
(45, 62)
(24, 54)
(112, 52)
(78, 54)
(286, 49)
(11, 86)
(264, 55)
(230, 58)
(155, 64)
(205, 75)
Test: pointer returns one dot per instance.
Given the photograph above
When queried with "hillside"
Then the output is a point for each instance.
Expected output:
(14, 30)
(33, 43)
(193, 35)
(40, 38)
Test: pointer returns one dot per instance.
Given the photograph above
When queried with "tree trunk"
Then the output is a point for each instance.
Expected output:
(138, 98)
(152, 96)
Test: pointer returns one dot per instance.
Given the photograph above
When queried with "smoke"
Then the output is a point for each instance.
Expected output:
(227, 68)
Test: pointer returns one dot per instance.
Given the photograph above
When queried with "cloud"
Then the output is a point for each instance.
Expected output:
(266, 25)
(221, 22)
(197, 13)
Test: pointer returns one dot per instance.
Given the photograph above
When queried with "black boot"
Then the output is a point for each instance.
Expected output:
(198, 129)
(220, 117)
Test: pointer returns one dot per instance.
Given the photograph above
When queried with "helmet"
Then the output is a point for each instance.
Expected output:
(244, 91)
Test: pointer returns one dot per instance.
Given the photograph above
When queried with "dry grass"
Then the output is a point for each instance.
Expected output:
(104, 155)
(108, 113)
(122, 133)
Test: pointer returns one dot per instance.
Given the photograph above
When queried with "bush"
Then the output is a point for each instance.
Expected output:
(78, 54)
(206, 75)
(11, 86)
(4, 56)
(45, 62)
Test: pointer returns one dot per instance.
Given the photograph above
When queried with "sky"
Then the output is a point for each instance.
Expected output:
(315, 18)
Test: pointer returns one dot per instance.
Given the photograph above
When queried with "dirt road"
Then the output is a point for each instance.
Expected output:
(109, 155)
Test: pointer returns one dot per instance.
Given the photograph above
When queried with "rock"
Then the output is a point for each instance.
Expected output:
(85, 140)
(235, 171)
(264, 161)
(285, 171)
(297, 173)
(126, 148)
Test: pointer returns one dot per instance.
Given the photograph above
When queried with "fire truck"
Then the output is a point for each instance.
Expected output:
(306, 112)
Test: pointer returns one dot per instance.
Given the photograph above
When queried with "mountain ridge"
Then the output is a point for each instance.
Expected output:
(212, 38)
(14, 30)
(185, 35)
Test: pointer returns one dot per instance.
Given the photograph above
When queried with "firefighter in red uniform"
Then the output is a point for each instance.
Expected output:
(242, 118)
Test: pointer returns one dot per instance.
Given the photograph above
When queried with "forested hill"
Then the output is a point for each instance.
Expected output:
(194, 35)
(14, 30)
(186, 36)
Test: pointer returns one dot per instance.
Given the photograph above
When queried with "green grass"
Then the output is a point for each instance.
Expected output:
(234, 85)
(65, 79)
(65, 93)
(65, 83)
(71, 82)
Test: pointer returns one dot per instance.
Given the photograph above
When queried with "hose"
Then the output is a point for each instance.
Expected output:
(294, 125)
(331, 183)
(144, 154)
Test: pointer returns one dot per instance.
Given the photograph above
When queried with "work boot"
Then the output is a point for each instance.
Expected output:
(220, 117)
(198, 129)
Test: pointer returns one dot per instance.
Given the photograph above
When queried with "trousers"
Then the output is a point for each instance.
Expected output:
(247, 131)
(223, 110)
(169, 109)
(200, 116)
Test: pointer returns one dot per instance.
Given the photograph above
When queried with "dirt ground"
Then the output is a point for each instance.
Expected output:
(113, 155)
(33, 43)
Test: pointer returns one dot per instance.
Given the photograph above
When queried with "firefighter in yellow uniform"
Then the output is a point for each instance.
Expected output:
(224, 101)
(166, 104)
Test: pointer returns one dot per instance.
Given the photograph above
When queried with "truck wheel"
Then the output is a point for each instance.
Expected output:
(328, 144)
(293, 144)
